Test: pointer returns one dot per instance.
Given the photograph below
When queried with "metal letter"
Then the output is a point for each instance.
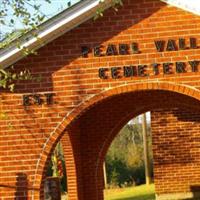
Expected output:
(180, 67)
(123, 49)
(102, 74)
(194, 65)
(171, 45)
(142, 70)
(182, 44)
(37, 99)
(115, 72)
(160, 45)
(155, 68)
(111, 50)
(135, 48)
(97, 51)
(193, 43)
(167, 68)
(128, 71)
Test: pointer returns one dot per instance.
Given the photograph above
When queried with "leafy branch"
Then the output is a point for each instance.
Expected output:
(29, 14)
(115, 5)
(8, 78)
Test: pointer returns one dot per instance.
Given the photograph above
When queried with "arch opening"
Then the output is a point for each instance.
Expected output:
(118, 110)
(55, 182)
(95, 132)
(65, 179)
(128, 165)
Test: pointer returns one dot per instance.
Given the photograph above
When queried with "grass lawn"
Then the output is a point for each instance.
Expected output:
(142, 192)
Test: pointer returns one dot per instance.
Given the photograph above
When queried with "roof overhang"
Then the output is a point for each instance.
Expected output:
(66, 21)
(52, 29)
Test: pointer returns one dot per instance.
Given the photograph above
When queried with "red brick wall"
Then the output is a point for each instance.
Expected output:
(28, 134)
(176, 135)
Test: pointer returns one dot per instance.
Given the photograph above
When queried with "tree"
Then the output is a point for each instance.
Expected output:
(125, 158)
(146, 150)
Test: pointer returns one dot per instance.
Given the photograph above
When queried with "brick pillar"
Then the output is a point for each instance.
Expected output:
(71, 148)
(93, 178)
(176, 150)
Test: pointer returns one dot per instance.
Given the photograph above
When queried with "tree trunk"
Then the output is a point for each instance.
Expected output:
(105, 174)
(146, 150)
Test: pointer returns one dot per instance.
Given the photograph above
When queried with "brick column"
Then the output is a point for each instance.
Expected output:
(176, 150)
(71, 149)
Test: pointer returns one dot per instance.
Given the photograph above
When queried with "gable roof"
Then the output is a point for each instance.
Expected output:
(66, 21)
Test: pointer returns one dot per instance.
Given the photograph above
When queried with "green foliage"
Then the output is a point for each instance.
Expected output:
(115, 5)
(28, 12)
(8, 78)
(53, 168)
(124, 160)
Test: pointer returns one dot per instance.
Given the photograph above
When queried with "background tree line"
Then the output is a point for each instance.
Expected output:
(125, 158)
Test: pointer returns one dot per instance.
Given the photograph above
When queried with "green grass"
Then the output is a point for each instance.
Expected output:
(142, 192)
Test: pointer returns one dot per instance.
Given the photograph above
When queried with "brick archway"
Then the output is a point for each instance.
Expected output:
(67, 122)
(125, 119)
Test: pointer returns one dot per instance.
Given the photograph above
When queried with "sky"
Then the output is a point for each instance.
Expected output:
(49, 10)
(192, 5)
